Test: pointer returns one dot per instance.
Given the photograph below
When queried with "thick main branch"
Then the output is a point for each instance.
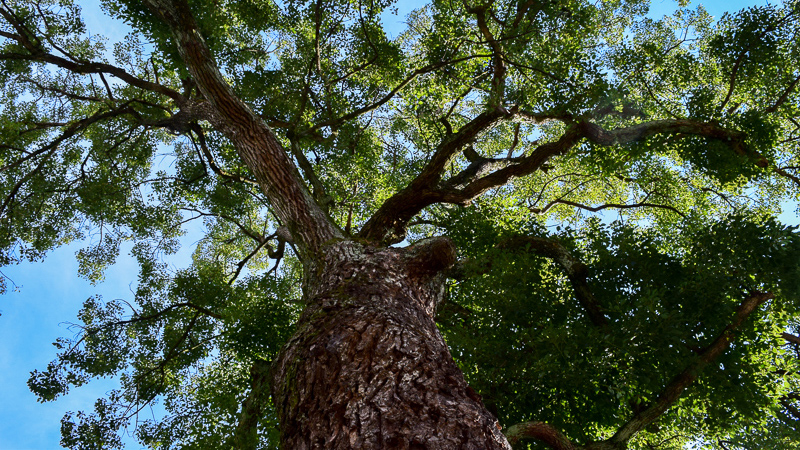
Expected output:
(253, 139)
(388, 223)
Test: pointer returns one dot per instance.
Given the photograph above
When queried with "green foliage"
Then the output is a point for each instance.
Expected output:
(676, 228)
(516, 335)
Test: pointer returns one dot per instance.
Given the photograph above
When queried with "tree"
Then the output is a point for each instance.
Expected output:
(388, 220)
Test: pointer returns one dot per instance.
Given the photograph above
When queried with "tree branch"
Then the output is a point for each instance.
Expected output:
(50, 149)
(206, 152)
(255, 142)
(541, 432)
(784, 173)
(37, 53)
(740, 60)
(784, 96)
(260, 239)
(790, 408)
(334, 123)
(479, 167)
(576, 271)
(320, 195)
(243, 262)
(736, 139)
(526, 166)
(497, 93)
(70, 131)
(791, 338)
(680, 382)
(156, 315)
(388, 223)
(246, 433)
(604, 206)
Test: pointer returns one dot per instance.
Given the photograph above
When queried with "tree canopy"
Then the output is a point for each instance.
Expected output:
(611, 183)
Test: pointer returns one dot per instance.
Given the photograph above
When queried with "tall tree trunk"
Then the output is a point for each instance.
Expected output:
(367, 367)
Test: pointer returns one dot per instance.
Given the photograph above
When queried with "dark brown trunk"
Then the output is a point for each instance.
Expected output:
(367, 367)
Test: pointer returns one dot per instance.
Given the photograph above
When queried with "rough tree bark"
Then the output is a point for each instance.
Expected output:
(367, 367)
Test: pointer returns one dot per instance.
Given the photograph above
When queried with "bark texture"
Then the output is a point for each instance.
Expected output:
(368, 368)
(254, 141)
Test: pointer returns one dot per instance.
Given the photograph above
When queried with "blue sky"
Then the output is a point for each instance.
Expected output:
(50, 294)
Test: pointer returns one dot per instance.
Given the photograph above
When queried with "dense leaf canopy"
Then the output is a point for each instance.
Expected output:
(611, 182)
